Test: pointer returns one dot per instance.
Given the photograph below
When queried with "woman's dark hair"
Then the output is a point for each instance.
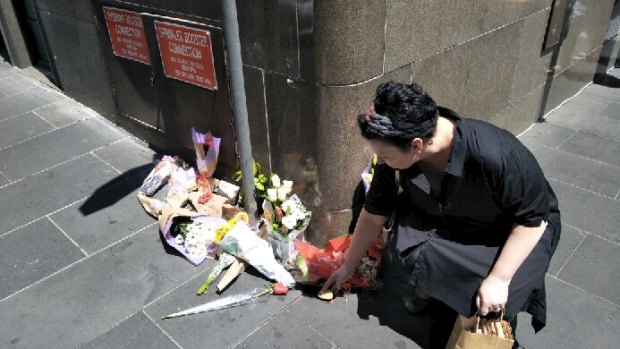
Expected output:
(399, 114)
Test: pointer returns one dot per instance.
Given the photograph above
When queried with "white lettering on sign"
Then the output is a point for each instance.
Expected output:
(195, 39)
(114, 17)
(170, 34)
(184, 50)
(132, 20)
(133, 32)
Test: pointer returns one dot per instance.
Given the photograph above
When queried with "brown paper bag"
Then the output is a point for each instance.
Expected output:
(477, 333)
(213, 207)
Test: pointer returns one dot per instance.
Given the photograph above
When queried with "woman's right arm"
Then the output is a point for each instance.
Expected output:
(366, 231)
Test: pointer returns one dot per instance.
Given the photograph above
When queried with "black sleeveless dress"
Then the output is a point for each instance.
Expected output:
(449, 242)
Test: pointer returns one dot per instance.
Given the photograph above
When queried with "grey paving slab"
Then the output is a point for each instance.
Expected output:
(569, 240)
(600, 93)
(31, 253)
(127, 154)
(15, 83)
(107, 216)
(593, 147)
(3, 181)
(90, 297)
(584, 173)
(7, 69)
(587, 211)
(64, 112)
(18, 129)
(136, 332)
(589, 121)
(575, 319)
(612, 111)
(546, 134)
(55, 147)
(27, 101)
(347, 326)
(286, 331)
(51, 190)
(223, 328)
(595, 267)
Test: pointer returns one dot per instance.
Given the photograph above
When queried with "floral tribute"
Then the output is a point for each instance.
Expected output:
(283, 212)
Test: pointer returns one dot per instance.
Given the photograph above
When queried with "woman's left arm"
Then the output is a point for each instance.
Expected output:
(493, 293)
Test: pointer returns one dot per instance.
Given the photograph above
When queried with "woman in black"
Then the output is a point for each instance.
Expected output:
(477, 222)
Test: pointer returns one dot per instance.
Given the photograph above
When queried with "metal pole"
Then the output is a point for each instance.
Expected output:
(237, 86)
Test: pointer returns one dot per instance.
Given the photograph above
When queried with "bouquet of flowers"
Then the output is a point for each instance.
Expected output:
(286, 218)
(190, 233)
(285, 215)
(314, 265)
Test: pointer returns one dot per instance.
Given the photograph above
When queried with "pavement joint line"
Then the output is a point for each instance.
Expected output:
(26, 112)
(72, 264)
(583, 238)
(42, 134)
(584, 291)
(262, 324)
(74, 158)
(42, 217)
(174, 289)
(108, 329)
(5, 177)
(617, 194)
(587, 233)
(566, 140)
(322, 336)
(44, 119)
(162, 329)
(576, 155)
(105, 162)
(578, 187)
(67, 235)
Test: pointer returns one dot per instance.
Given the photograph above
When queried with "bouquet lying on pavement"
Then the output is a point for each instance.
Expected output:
(313, 265)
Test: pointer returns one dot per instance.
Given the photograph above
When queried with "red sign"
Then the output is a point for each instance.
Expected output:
(127, 34)
(186, 54)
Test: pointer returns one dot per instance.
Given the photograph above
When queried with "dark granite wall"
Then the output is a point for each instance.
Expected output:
(312, 65)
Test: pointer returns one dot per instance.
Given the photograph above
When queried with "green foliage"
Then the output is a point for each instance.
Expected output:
(261, 181)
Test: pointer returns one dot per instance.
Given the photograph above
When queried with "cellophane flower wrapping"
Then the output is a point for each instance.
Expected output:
(314, 265)
(206, 163)
(194, 245)
(158, 176)
(295, 217)
(245, 244)
(369, 172)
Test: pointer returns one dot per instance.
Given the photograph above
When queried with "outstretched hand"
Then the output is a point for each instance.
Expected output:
(492, 295)
(337, 278)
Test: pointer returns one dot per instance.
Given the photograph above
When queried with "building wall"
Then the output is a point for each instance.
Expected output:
(312, 65)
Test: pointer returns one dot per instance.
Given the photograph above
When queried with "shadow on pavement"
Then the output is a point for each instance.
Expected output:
(116, 189)
(429, 329)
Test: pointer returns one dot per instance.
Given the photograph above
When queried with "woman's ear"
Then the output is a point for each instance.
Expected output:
(416, 144)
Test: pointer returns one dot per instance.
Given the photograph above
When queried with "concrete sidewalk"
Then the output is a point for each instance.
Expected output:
(82, 265)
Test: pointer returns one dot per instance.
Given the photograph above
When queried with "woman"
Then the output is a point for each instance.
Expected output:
(477, 222)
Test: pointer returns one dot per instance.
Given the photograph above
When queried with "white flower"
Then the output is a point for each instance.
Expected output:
(275, 181)
(272, 194)
(287, 207)
(282, 194)
(288, 185)
(179, 239)
(289, 221)
(298, 214)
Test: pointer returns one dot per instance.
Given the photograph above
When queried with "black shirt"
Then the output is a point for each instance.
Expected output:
(491, 182)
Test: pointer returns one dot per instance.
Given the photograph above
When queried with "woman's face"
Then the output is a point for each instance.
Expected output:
(393, 156)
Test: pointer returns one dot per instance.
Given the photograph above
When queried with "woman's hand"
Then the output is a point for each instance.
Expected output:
(492, 294)
(338, 277)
